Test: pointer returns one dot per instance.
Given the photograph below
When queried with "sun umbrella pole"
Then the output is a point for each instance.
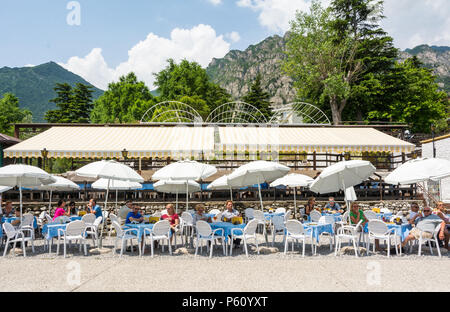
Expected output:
(50, 201)
(20, 198)
(104, 221)
(116, 201)
(176, 202)
(231, 194)
(295, 202)
(345, 196)
(187, 195)
(260, 197)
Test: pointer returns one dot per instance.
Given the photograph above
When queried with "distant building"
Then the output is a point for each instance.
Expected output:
(442, 146)
(6, 141)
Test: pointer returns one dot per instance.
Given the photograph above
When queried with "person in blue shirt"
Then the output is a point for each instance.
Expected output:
(134, 215)
(94, 208)
(333, 205)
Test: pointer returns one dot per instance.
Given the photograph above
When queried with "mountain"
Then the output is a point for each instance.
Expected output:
(237, 69)
(34, 86)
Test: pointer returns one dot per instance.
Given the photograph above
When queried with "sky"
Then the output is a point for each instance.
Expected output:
(101, 40)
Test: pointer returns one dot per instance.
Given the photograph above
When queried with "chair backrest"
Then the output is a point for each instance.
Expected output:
(59, 219)
(218, 217)
(326, 220)
(377, 226)
(157, 214)
(42, 215)
(287, 215)
(294, 227)
(98, 221)
(429, 227)
(370, 215)
(163, 212)
(280, 210)
(161, 227)
(105, 214)
(214, 211)
(203, 228)
(187, 218)
(49, 218)
(315, 216)
(117, 227)
(75, 228)
(9, 230)
(345, 217)
(385, 210)
(278, 223)
(113, 217)
(249, 213)
(88, 218)
(399, 214)
(27, 219)
(250, 228)
(259, 215)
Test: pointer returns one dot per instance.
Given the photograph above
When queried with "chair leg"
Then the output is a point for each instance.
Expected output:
(6, 247)
(303, 247)
(245, 246)
(438, 248)
(231, 245)
(420, 247)
(170, 246)
(389, 247)
(286, 243)
(211, 248)
(256, 243)
(65, 244)
(151, 245)
(354, 246)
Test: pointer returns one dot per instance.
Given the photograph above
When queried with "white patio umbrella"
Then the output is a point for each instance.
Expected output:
(257, 172)
(221, 184)
(117, 185)
(177, 187)
(185, 170)
(2, 190)
(342, 175)
(24, 176)
(61, 184)
(293, 180)
(110, 170)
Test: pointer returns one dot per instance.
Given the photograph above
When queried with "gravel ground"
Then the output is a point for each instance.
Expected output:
(271, 270)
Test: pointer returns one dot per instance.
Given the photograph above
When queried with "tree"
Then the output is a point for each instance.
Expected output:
(10, 113)
(322, 64)
(125, 101)
(73, 104)
(415, 97)
(189, 79)
(259, 98)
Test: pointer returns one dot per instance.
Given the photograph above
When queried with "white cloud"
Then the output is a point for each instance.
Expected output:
(233, 36)
(215, 2)
(199, 44)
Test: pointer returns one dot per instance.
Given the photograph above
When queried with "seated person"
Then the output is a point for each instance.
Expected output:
(124, 211)
(445, 224)
(200, 214)
(16, 222)
(415, 232)
(60, 211)
(333, 205)
(230, 212)
(8, 211)
(172, 217)
(94, 208)
(310, 206)
(73, 211)
(414, 211)
(134, 215)
(356, 215)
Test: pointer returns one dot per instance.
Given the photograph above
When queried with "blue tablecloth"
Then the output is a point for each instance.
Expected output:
(337, 216)
(270, 215)
(51, 230)
(8, 220)
(139, 228)
(317, 229)
(402, 230)
(227, 226)
(384, 215)
(208, 215)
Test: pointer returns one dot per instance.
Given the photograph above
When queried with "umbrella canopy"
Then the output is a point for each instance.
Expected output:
(4, 188)
(184, 170)
(61, 184)
(342, 175)
(176, 187)
(221, 184)
(24, 176)
(109, 169)
(419, 170)
(257, 172)
(350, 194)
(118, 185)
(293, 180)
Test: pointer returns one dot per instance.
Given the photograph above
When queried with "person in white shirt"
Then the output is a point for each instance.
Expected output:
(414, 211)
(124, 210)
(230, 212)
(200, 214)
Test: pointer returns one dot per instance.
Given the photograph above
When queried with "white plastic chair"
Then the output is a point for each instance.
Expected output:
(385, 210)
(328, 220)
(187, 226)
(379, 230)
(75, 230)
(157, 214)
(205, 233)
(17, 235)
(28, 223)
(113, 218)
(259, 216)
(278, 228)
(163, 212)
(124, 236)
(88, 218)
(214, 211)
(287, 215)
(349, 232)
(218, 217)
(61, 219)
(248, 214)
(296, 232)
(49, 218)
(370, 215)
(41, 220)
(280, 210)
(432, 228)
(315, 216)
(161, 230)
(248, 232)
(93, 230)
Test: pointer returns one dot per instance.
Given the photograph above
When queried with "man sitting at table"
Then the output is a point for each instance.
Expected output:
(415, 232)
(8, 212)
(134, 215)
(229, 213)
(414, 211)
(124, 211)
(94, 208)
(333, 205)
(200, 214)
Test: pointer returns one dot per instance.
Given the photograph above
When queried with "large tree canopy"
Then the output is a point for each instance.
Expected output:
(259, 98)
(10, 113)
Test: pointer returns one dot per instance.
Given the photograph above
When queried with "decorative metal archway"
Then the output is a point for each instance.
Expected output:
(299, 113)
(236, 112)
(171, 111)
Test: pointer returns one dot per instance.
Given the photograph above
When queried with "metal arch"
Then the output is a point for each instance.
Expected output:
(174, 110)
(309, 113)
(236, 112)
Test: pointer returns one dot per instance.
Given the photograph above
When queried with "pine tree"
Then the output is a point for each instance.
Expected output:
(259, 98)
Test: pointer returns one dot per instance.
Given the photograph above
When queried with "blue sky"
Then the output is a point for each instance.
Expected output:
(117, 36)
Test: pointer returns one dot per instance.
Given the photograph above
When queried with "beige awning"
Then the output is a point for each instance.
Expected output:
(104, 142)
(304, 139)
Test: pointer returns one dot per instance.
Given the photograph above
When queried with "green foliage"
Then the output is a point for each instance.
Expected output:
(11, 113)
(189, 79)
(34, 86)
(125, 101)
(73, 104)
(259, 98)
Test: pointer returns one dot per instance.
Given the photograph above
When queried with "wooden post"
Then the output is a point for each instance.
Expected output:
(403, 157)
(314, 161)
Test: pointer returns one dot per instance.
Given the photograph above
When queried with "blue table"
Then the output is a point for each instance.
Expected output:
(139, 228)
(385, 215)
(50, 230)
(400, 229)
(227, 227)
(337, 216)
(269, 215)
(316, 230)
(9, 220)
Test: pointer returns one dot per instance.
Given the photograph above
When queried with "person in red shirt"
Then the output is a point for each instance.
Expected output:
(60, 211)
(173, 218)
